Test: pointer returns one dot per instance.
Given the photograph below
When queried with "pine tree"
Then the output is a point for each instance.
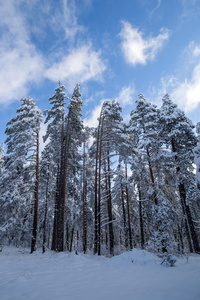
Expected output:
(177, 133)
(144, 125)
(19, 182)
(55, 117)
(106, 146)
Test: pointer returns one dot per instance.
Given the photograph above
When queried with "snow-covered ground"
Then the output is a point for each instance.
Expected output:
(63, 276)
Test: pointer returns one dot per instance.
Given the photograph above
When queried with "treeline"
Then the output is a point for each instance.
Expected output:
(101, 190)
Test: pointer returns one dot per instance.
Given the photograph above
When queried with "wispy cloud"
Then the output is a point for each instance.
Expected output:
(23, 64)
(184, 92)
(92, 119)
(20, 62)
(66, 19)
(136, 48)
(126, 95)
(155, 8)
(80, 65)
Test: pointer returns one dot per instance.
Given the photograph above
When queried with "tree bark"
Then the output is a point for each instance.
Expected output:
(45, 216)
(35, 218)
(96, 189)
(141, 220)
(84, 200)
(128, 210)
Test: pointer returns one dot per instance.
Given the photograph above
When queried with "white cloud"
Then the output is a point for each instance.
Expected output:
(157, 7)
(126, 95)
(138, 50)
(20, 63)
(80, 65)
(186, 93)
(193, 51)
(92, 120)
(66, 19)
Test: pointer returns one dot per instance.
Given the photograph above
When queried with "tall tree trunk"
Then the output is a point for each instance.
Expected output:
(55, 220)
(35, 218)
(109, 204)
(111, 232)
(128, 210)
(141, 220)
(96, 189)
(152, 178)
(62, 183)
(84, 201)
(124, 218)
(71, 241)
(45, 216)
(99, 189)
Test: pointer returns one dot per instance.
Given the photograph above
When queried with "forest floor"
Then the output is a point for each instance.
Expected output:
(136, 275)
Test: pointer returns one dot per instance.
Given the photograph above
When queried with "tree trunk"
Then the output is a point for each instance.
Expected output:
(35, 218)
(97, 217)
(109, 204)
(84, 201)
(124, 218)
(45, 216)
(71, 241)
(99, 190)
(96, 187)
(128, 211)
(141, 220)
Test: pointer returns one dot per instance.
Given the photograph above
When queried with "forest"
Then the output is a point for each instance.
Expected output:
(103, 190)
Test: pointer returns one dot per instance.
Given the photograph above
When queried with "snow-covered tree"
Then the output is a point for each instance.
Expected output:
(19, 181)
(144, 125)
(176, 131)
(107, 141)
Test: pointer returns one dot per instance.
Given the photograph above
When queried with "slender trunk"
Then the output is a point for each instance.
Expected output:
(84, 201)
(99, 190)
(141, 220)
(55, 221)
(111, 233)
(45, 216)
(128, 211)
(71, 242)
(35, 218)
(67, 236)
(124, 218)
(152, 178)
(109, 206)
(96, 187)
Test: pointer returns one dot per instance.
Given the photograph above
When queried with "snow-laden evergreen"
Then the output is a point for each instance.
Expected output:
(101, 190)
(19, 180)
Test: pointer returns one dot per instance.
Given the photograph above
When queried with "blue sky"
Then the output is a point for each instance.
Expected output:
(116, 49)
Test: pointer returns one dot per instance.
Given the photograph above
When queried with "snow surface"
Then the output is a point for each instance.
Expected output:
(63, 276)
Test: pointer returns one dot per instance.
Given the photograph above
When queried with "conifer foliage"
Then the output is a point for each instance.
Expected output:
(20, 178)
(103, 190)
